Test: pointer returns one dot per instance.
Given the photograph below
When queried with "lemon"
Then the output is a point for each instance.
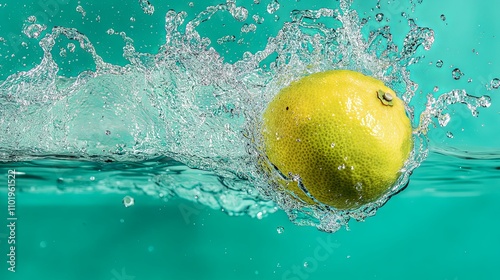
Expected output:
(342, 136)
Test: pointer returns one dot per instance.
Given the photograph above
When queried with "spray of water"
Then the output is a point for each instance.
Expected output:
(184, 106)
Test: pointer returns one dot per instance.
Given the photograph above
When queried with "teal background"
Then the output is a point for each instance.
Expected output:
(445, 225)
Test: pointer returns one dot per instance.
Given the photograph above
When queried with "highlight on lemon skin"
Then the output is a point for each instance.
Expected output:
(340, 134)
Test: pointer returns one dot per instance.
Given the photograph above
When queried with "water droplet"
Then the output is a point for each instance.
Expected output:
(34, 30)
(443, 17)
(273, 6)
(495, 83)
(239, 13)
(43, 244)
(248, 28)
(71, 47)
(444, 119)
(225, 39)
(306, 264)
(379, 17)
(359, 186)
(449, 134)
(332, 145)
(62, 52)
(146, 7)
(280, 230)
(456, 74)
(258, 19)
(107, 132)
(439, 63)
(128, 201)
(436, 88)
(81, 10)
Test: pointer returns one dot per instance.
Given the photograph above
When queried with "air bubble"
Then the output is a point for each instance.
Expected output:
(443, 17)
(449, 134)
(439, 63)
(32, 19)
(110, 31)
(456, 74)
(107, 132)
(128, 201)
(379, 17)
(436, 88)
(306, 264)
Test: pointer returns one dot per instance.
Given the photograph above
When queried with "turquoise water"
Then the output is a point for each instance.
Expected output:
(103, 102)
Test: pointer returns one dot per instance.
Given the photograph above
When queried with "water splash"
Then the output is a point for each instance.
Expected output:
(185, 104)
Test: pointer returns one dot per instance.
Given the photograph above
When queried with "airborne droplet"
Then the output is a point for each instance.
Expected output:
(280, 230)
(495, 83)
(456, 74)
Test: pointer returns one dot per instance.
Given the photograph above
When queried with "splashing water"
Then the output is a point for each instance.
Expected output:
(188, 121)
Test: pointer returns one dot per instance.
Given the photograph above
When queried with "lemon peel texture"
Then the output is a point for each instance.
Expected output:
(340, 135)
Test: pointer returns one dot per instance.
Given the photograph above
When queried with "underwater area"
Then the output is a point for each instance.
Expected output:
(131, 149)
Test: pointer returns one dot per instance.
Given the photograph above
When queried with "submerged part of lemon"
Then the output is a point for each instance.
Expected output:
(340, 135)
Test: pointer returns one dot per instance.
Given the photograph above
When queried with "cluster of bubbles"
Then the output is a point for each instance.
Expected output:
(185, 107)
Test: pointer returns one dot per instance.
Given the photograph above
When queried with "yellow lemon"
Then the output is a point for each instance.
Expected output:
(342, 135)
